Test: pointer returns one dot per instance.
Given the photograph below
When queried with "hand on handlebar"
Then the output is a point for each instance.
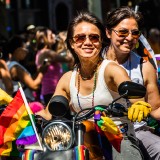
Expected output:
(107, 125)
(138, 111)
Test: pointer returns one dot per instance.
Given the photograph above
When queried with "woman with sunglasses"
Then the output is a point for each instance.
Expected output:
(123, 27)
(93, 81)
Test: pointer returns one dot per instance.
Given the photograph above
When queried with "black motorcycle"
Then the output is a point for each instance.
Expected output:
(63, 137)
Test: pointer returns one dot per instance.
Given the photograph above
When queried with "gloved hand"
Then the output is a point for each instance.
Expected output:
(138, 111)
(4, 97)
(107, 125)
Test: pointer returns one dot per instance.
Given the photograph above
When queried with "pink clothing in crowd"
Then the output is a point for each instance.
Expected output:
(51, 77)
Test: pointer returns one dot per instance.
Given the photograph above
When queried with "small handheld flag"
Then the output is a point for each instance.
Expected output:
(16, 124)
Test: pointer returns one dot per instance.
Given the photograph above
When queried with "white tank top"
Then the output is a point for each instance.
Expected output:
(102, 95)
(133, 68)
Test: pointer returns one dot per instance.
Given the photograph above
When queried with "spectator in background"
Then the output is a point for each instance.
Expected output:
(29, 62)
(18, 51)
(61, 48)
(45, 39)
(5, 78)
(154, 39)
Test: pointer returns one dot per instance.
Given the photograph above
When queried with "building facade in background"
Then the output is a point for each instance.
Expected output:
(15, 15)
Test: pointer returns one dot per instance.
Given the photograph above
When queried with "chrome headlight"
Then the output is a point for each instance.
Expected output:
(57, 136)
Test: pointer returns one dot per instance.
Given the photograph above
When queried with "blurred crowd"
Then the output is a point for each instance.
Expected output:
(36, 58)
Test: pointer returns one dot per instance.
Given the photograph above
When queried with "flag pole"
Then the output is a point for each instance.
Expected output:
(29, 113)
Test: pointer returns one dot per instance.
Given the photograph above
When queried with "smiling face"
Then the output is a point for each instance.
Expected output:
(126, 43)
(87, 40)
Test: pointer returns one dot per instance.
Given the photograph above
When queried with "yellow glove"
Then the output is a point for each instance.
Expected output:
(107, 125)
(139, 111)
(4, 97)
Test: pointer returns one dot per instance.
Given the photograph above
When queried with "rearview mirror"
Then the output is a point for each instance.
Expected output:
(58, 106)
(131, 90)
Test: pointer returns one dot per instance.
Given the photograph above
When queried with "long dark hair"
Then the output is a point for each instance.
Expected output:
(117, 15)
(84, 17)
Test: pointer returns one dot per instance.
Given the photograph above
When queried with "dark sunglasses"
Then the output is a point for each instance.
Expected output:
(80, 38)
(126, 32)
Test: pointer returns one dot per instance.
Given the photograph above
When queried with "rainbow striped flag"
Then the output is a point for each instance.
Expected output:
(15, 126)
(29, 154)
(79, 152)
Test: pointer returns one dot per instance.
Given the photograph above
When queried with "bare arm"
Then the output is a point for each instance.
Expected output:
(152, 97)
(150, 81)
(115, 75)
(6, 78)
(52, 56)
(156, 113)
(19, 74)
(62, 89)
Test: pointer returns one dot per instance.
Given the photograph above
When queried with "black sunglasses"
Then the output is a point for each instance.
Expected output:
(80, 38)
(126, 32)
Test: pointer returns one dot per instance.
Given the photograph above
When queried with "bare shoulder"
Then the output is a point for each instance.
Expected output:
(63, 85)
(115, 75)
(113, 70)
(147, 64)
(2, 61)
(147, 67)
(65, 80)
(113, 67)
(3, 64)
(67, 75)
(149, 72)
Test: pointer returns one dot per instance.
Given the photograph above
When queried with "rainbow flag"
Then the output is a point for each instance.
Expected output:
(29, 154)
(15, 126)
(80, 152)
(106, 139)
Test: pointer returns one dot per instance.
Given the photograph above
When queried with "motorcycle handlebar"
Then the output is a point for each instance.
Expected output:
(85, 115)
(59, 107)
(116, 110)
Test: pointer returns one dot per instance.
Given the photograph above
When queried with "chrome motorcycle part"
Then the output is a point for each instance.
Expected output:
(57, 136)
(80, 130)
